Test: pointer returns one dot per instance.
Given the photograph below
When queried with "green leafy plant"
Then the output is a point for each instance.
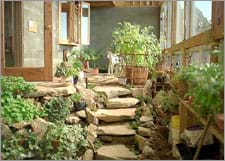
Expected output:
(98, 144)
(136, 45)
(145, 99)
(65, 70)
(65, 142)
(57, 109)
(84, 54)
(166, 103)
(205, 84)
(16, 110)
(76, 97)
(136, 123)
(12, 86)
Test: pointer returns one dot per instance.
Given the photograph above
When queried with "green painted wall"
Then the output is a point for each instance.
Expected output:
(104, 20)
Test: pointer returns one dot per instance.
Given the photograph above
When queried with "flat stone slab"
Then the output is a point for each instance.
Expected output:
(115, 152)
(112, 91)
(115, 130)
(103, 79)
(121, 102)
(113, 115)
(51, 90)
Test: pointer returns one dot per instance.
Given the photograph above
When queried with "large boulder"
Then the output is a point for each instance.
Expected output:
(121, 102)
(145, 132)
(72, 119)
(115, 152)
(137, 92)
(40, 126)
(81, 114)
(21, 125)
(141, 141)
(88, 155)
(112, 91)
(91, 117)
(147, 88)
(91, 133)
(144, 119)
(148, 151)
(5, 131)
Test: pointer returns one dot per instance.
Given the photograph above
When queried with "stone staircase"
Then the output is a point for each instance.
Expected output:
(113, 123)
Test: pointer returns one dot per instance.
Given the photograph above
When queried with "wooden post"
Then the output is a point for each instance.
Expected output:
(203, 138)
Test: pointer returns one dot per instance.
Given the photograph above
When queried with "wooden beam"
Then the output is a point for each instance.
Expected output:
(102, 3)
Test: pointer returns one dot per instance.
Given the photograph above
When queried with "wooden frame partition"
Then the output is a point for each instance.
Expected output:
(210, 36)
(32, 74)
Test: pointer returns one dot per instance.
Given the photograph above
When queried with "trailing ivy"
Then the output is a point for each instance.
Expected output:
(65, 142)
(20, 147)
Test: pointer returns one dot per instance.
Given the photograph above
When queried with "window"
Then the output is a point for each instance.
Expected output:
(178, 63)
(201, 12)
(165, 24)
(169, 23)
(200, 55)
(179, 21)
(69, 20)
(163, 17)
(85, 24)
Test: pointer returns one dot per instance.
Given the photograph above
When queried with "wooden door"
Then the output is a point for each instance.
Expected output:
(43, 73)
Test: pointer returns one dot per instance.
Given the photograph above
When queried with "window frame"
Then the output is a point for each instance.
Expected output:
(190, 20)
(89, 13)
(70, 24)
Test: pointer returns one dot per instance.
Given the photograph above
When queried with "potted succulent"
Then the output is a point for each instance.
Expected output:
(78, 102)
(139, 48)
(64, 71)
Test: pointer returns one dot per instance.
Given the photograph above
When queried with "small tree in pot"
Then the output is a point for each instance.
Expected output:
(139, 48)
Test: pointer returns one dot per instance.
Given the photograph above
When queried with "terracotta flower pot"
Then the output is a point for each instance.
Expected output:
(220, 121)
(95, 71)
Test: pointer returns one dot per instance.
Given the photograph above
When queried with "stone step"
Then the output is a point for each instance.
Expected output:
(121, 102)
(112, 91)
(115, 130)
(114, 115)
(127, 140)
(115, 152)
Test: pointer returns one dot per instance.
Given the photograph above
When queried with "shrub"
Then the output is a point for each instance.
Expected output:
(57, 109)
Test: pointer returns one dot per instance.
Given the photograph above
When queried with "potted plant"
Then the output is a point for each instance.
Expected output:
(139, 48)
(64, 71)
(77, 67)
(78, 102)
(95, 70)
(85, 55)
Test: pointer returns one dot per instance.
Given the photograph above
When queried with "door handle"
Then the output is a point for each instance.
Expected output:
(48, 27)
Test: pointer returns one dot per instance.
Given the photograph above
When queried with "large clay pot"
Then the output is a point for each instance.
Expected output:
(95, 71)
(139, 75)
